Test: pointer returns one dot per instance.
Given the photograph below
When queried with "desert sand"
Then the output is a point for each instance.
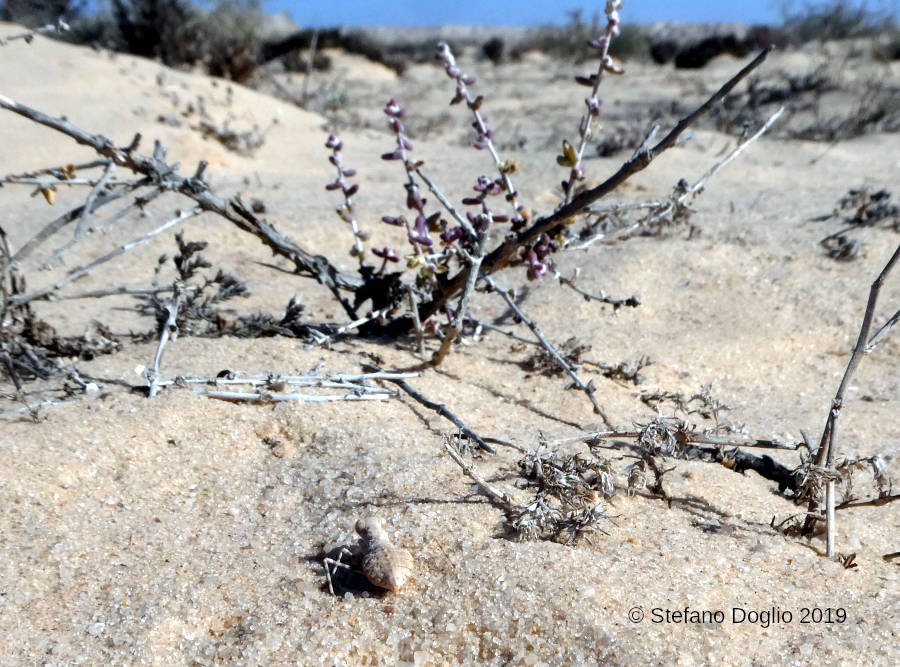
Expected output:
(183, 530)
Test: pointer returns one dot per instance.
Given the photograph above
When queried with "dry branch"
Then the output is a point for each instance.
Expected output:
(163, 175)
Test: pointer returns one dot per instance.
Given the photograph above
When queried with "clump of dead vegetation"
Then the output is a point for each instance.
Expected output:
(858, 209)
(456, 244)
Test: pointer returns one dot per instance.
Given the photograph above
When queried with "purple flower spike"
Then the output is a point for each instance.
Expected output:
(347, 212)
(392, 220)
(396, 155)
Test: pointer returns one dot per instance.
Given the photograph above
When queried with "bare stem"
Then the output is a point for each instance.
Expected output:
(503, 499)
(828, 443)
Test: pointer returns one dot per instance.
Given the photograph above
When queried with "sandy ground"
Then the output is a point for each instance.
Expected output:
(182, 530)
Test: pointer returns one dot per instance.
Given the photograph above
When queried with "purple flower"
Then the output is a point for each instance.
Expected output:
(537, 267)
(387, 253)
(419, 234)
(452, 235)
(393, 109)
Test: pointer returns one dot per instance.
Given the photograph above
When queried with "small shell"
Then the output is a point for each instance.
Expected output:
(385, 565)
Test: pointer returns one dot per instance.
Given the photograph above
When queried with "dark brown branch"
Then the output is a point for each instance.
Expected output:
(507, 251)
(630, 302)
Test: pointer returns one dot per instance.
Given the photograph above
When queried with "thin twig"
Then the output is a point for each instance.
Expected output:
(701, 182)
(266, 397)
(510, 334)
(630, 302)
(414, 309)
(588, 388)
(169, 330)
(503, 499)
(882, 332)
(462, 220)
(664, 208)
(439, 408)
(277, 383)
(115, 291)
(828, 443)
(86, 210)
(69, 216)
(80, 271)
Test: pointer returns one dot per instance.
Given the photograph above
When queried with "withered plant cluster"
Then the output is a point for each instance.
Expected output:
(456, 245)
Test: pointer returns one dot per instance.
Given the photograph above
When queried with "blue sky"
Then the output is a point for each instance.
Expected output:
(316, 13)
